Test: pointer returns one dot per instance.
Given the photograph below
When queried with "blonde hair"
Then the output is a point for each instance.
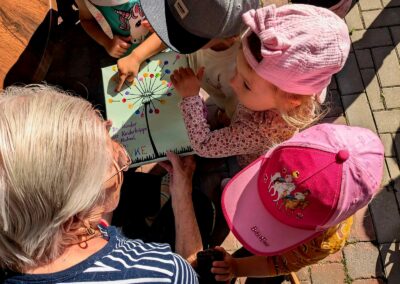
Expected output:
(305, 114)
(54, 155)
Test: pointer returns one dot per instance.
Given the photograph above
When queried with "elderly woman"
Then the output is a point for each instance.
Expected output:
(60, 173)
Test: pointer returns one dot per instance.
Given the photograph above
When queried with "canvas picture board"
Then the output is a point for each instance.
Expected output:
(145, 114)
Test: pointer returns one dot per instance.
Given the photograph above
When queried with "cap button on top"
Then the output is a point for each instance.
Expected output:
(342, 156)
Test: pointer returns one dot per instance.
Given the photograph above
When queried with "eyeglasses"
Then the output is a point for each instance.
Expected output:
(123, 160)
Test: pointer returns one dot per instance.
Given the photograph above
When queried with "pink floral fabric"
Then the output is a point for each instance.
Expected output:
(250, 134)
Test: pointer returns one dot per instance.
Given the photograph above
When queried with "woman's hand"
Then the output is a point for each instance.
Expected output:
(181, 171)
(187, 84)
(226, 269)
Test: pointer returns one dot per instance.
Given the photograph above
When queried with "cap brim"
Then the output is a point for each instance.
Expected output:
(256, 229)
(169, 30)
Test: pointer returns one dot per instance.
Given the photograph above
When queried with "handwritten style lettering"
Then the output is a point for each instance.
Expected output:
(262, 239)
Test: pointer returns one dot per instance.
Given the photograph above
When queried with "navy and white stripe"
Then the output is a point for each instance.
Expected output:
(122, 261)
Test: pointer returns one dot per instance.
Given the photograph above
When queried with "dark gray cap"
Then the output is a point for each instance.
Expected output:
(187, 25)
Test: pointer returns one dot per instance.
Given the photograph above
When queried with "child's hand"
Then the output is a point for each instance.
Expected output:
(226, 269)
(128, 68)
(146, 24)
(118, 46)
(186, 83)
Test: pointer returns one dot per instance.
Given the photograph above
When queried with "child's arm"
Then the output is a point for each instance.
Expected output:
(241, 137)
(230, 267)
(128, 66)
(116, 47)
(311, 252)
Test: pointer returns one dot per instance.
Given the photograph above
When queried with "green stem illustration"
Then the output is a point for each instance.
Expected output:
(148, 131)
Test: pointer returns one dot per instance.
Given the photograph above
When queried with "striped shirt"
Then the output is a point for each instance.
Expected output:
(121, 261)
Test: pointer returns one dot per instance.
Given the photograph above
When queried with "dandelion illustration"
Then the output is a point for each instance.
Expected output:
(148, 92)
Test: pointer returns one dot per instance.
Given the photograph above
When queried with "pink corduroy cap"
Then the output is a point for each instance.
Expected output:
(302, 46)
(309, 183)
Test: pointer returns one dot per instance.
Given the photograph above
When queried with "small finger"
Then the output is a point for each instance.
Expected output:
(219, 270)
(121, 81)
(130, 78)
(177, 76)
(124, 45)
(189, 71)
(173, 80)
(220, 264)
(223, 277)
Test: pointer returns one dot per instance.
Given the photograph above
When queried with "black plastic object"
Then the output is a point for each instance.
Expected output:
(205, 259)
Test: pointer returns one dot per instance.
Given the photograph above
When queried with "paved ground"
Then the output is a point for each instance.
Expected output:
(367, 93)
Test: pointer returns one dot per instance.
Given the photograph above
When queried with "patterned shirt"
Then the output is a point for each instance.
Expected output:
(311, 252)
(250, 134)
(121, 261)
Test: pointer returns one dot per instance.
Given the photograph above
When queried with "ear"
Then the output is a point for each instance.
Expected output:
(293, 101)
(288, 101)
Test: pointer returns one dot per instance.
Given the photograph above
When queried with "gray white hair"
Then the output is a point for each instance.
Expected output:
(54, 156)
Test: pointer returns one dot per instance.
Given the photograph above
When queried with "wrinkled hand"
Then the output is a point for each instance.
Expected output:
(226, 269)
(118, 45)
(128, 68)
(187, 84)
(181, 170)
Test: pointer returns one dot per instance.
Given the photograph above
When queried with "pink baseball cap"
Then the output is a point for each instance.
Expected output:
(302, 46)
(305, 185)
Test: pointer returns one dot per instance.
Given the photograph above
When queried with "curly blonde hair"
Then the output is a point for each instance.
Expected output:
(54, 156)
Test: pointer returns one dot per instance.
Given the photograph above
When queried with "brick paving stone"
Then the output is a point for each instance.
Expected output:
(387, 121)
(393, 167)
(333, 258)
(386, 177)
(364, 58)
(397, 143)
(231, 244)
(391, 3)
(353, 19)
(371, 38)
(370, 4)
(392, 97)
(333, 85)
(304, 274)
(362, 260)
(395, 31)
(363, 228)
(386, 61)
(390, 254)
(386, 217)
(372, 89)
(332, 273)
(335, 120)
(349, 79)
(381, 18)
(358, 112)
(387, 141)
(368, 281)
(334, 103)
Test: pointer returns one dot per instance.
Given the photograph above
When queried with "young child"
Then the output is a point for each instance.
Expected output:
(117, 25)
(218, 61)
(218, 58)
(293, 206)
(288, 57)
